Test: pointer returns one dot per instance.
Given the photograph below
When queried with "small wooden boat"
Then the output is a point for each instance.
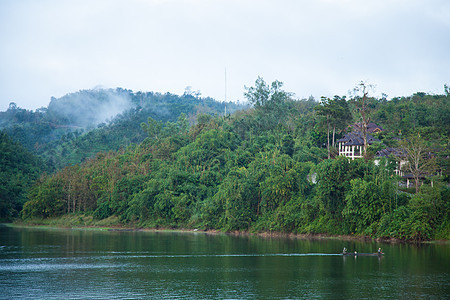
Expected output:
(345, 253)
(362, 254)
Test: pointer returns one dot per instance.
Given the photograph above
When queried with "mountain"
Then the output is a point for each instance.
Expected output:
(80, 124)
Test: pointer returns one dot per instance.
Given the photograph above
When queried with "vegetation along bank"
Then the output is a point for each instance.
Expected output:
(359, 166)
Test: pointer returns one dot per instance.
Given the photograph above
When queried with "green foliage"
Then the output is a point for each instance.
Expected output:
(333, 181)
(78, 125)
(287, 146)
(363, 206)
(238, 197)
(335, 115)
(285, 218)
(424, 217)
(18, 170)
(46, 199)
(262, 169)
(141, 206)
(271, 103)
(417, 158)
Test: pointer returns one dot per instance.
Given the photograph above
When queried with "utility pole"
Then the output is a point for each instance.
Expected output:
(225, 84)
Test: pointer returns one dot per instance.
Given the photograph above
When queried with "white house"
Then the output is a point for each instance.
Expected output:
(352, 144)
(395, 153)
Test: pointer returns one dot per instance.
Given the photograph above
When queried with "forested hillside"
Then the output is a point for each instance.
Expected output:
(266, 169)
(78, 125)
(18, 171)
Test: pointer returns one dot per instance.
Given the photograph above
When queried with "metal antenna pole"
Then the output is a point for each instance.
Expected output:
(225, 84)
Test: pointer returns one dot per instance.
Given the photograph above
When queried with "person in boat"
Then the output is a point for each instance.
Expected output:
(344, 251)
(380, 251)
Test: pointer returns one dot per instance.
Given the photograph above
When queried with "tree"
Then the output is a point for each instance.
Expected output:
(419, 159)
(152, 128)
(363, 109)
(238, 196)
(269, 102)
(258, 95)
(336, 113)
(363, 206)
(333, 181)
(324, 110)
(262, 94)
(18, 170)
(341, 114)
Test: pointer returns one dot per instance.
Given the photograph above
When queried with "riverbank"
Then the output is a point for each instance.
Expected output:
(113, 223)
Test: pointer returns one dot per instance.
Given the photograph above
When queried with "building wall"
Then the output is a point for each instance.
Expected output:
(350, 151)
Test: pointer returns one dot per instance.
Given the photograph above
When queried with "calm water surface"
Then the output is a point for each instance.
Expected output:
(91, 264)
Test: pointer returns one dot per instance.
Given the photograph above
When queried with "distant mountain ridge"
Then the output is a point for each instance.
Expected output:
(82, 123)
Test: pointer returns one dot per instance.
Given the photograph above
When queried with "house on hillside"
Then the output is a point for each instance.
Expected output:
(352, 144)
(395, 153)
(401, 161)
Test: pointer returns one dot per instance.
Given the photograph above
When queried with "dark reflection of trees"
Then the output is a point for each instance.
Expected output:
(224, 266)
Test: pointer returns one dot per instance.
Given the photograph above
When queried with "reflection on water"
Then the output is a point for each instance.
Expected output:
(80, 264)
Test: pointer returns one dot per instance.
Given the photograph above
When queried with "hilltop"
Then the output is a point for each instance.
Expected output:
(78, 125)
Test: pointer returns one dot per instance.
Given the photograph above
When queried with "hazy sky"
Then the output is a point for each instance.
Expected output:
(316, 47)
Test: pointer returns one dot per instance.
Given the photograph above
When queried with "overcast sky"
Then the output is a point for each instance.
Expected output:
(316, 47)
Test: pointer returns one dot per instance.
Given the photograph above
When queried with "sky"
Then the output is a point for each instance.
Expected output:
(49, 48)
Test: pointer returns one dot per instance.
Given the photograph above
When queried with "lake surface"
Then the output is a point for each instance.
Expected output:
(80, 264)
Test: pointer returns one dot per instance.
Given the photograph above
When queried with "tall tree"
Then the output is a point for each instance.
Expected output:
(325, 111)
(419, 160)
(269, 102)
(336, 113)
(363, 109)
(259, 95)
(341, 114)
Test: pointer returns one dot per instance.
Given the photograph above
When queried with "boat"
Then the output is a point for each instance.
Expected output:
(362, 254)
(378, 253)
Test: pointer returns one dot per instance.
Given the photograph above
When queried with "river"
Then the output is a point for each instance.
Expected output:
(43, 263)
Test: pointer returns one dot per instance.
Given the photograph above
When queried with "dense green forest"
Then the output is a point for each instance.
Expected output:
(18, 171)
(266, 168)
(79, 125)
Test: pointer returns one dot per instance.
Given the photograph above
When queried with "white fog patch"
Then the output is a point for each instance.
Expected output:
(115, 105)
(90, 107)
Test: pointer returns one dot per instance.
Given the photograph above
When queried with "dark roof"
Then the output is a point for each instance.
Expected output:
(356, 139)
(390, 151)
(371, 127)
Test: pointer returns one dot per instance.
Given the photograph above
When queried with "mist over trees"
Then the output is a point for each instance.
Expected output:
(78, 125)
(265, 168)
(88, 108)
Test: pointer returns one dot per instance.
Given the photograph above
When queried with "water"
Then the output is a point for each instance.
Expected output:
(79, 264)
